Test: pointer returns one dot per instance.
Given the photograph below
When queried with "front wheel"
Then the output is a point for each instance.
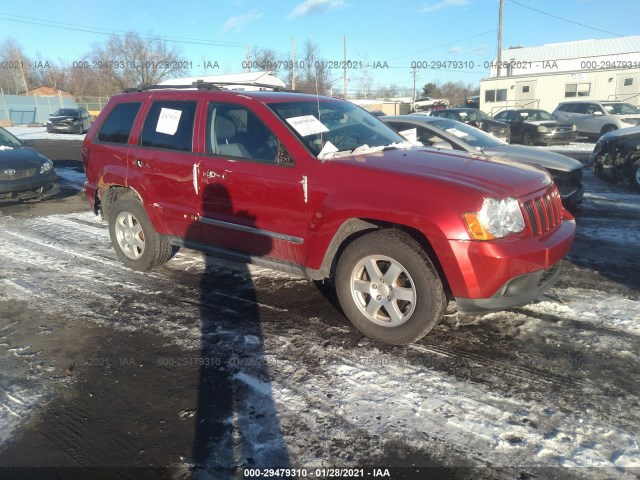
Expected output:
(388, 287)
(133, 237)
(527, 139)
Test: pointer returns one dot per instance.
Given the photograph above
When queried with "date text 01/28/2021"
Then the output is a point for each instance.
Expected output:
(317, 473)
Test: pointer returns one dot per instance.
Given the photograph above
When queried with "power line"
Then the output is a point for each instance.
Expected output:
(105, 31)
(444, 44)
(566, 19)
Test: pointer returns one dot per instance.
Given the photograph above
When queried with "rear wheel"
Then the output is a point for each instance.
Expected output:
(133, 237)
(635, 175)
(388, 287)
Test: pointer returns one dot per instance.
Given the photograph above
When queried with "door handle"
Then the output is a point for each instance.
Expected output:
(210, 174)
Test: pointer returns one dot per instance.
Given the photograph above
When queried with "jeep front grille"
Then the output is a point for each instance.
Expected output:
(544, 213)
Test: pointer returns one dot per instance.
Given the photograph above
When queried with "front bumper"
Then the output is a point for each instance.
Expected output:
(503, 273)
(557, 138)
(63, 127)
(36, 193)
(33, 187)
(516, 292)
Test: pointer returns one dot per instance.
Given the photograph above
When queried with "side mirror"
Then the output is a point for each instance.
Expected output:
(27, 143)
(597, 113)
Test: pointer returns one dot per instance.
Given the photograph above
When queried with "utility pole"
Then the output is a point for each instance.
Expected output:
(414, 71)
(293, 63)
(345, 67)
(499, 66)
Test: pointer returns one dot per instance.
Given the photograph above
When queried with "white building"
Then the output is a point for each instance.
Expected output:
(542, 77)
(245, 81)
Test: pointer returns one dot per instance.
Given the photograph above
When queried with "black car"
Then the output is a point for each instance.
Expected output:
(537, 127)
(24, 173)
(69, 120)
(445, 133)
(616, 156)
(476, 118)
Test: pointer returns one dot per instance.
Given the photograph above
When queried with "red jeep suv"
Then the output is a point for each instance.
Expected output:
(320, 188)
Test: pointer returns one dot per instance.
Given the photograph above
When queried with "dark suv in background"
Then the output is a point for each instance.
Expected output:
(537, 127)
(476, 118)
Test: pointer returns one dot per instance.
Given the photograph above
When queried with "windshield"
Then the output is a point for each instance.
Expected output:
(8, 140)
(331, 126)
(535, 116)
(66, 112)
(620, 108)
(468, 134)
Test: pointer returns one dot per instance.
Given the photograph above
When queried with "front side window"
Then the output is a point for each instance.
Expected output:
(235, 131)
(620, 108)
(169, 125)
(117, 127)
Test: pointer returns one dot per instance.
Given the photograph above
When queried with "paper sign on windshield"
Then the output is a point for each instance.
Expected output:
(307, 125)
(168, 121)
(456, 132)
(411, 134)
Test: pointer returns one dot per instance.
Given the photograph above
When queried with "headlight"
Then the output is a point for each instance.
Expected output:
(543, 129)
(574, 128)
(496, 219)
(631, 121)
(46, 166)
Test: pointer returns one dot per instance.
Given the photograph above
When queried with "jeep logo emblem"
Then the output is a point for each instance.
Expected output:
(10, 172)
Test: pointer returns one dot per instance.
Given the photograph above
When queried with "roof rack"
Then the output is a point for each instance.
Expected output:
(202, 85)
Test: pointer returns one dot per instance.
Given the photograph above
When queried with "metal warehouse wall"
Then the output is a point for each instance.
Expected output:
(23, 110)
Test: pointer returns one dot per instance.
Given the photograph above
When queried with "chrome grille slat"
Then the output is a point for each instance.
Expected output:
(544, 213)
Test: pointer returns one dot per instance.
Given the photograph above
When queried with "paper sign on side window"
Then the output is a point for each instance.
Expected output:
(411, 134)
(168, 121)
(307, 125)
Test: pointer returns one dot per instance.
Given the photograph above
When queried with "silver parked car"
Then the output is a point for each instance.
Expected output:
(445, 133)
(595, 118)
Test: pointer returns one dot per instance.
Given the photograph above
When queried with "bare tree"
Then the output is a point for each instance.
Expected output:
(130, 60)
(17, 75)
(313, 74)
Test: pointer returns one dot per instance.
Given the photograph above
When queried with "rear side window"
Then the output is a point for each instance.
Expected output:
(582, 108)
(169, 125)
(117, 127)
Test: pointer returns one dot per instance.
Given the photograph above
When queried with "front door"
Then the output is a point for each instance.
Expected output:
(253, 195)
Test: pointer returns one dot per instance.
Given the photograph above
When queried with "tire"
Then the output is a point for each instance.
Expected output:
(527, 139)
(635, 175)
(607, 129)
(137, 244)
(407, 298)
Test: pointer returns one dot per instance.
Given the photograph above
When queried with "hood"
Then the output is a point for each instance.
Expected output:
(20, 158)
(623, 132)
(489, 176)
(533, 156)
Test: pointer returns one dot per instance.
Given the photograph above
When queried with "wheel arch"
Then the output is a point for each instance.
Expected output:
(354, 228)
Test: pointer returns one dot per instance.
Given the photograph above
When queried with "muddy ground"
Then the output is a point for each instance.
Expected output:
(206, 369)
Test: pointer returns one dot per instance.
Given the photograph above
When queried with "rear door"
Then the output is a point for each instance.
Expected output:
(162, 166)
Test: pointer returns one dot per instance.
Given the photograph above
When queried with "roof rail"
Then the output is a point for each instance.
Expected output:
(202, 85)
